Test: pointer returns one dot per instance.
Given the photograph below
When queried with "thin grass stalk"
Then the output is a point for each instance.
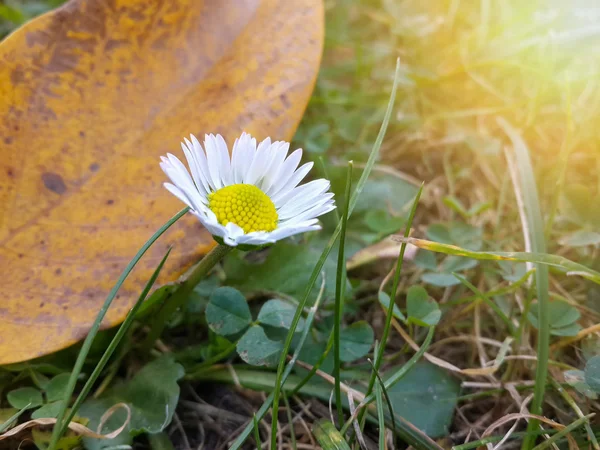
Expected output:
(538, 245)
(575, 407)
(487, 301)
(239, 441)
(339, 299)
(316, 367)
(566, 430)
(393, 292)
(177, 299)
(318, 267)
(116, 340)
(87, 343)
(290, 418)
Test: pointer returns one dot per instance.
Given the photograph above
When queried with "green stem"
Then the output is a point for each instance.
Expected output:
(538, 245)
(565, 395)
(113, 345)
(177, 298)
(339, 299)
(316, 367)
(87, 343)
(321, 262)
(394, 291)
(566, 430)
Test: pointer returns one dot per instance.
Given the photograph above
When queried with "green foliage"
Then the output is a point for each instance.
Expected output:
(56, 387)
(576, 379)
(592, 373)
(563, 318)
(452, 233)
(279, 314)
(227, 312)
(421, 309)
(257, 349)
(287, 269)
(26, 397)
(49, 410)
(384, 299)
(426, 396)
(355, 341)
(380, 210)
(32, 398)
(328, 436)
(152, 396)
(580, 238)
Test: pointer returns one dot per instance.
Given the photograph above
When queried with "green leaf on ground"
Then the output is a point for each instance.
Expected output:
(286, 269)
(257, 349)
(356, 341)
(384, 299)
(228, 312)
(440, 279)
(426, 397)
(48, 411)
(277, 313)
(425, 260)
(56, 387)
(580, 238)
(22, 397)
(592, 373)
(576, 379)
(152, 395)
(457, 263)
(421, 309)
(563, 318)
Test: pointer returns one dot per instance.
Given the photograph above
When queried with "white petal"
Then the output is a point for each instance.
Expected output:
(279, 152)
(259, 163)
(202, 164)
(179, 194)
(238, 154)
(214, 160)
(225, 162)
(290, 184)
(214, 228)
(282, 233)
(233, 233)
(301, 204)
(309, 214)
(257, 238)
(287, 170)
(194, 167)
(312, 189)
(248, 152)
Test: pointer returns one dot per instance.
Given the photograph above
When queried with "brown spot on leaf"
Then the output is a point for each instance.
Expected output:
(54, 182)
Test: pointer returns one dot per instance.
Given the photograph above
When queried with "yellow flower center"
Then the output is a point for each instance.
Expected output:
(245, 205)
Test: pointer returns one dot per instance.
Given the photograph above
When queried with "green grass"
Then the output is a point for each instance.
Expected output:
(477, 82)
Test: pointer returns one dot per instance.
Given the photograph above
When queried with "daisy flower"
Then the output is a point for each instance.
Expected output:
(252, 198)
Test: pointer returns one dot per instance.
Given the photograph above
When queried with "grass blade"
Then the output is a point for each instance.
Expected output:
(394, 291)
(538, 245)
(328, 437)
(488, 302)
(11, 419)
(113, 344)
(318, 267)
(566, 430)
(239, 441)
(87, 344)
(541, 259)
(339, 299)
(380, 416)
(257, 440)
